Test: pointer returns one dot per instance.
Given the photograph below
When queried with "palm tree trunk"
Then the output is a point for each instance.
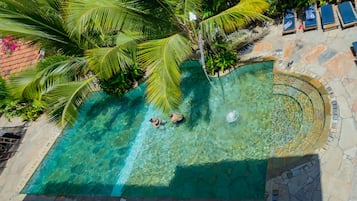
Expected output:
(202, 59)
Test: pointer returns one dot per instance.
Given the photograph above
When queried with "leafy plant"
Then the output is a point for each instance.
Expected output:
(27, 111)
(322, 2)
(219, 56)
(221, 61)
(120, 83)
(11, 107)
(277, 7)
(108, 37)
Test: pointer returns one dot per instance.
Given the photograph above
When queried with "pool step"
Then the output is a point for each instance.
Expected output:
(315, 107)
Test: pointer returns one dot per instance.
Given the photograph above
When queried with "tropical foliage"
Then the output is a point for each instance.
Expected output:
(277, 7)
(106, 39)
(219, 57)
(3, 90)
(11, 107)
(122, 82)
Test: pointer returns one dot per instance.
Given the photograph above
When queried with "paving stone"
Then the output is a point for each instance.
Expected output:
(352, 89)
(353, 192)
(297, 183)
(331, 160)
(348, 137)
(337, 87)
(326, 55)
(346, 171)
(317, 195)
(315, 68)
(338, 66)
(344, 108)
(314, 171)
(284, 192)
(303, 195)
(351, 152)
(335, 186)
(352, 74)
(311, 55)
(334, 198)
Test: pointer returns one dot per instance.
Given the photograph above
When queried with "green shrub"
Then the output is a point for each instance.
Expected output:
(277, 7)
(27, 111)
(220, 61)
(219, 56)
(121, 82)
(10, 107)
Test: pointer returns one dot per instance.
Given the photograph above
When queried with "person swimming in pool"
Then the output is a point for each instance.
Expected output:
(155, 122)
(176, 118)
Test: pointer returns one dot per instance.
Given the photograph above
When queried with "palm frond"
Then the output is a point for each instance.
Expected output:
(3, 89)
(192, 6)
(107, 61)
(19, 30)
(87, 15)
(182, 8)
(45, 23)
(128, 39)
(235, 17)
(34, 83)
(162, 58)
(25, 85)
(64, 100)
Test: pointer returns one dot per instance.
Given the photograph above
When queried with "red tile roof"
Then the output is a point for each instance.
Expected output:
(22, 58)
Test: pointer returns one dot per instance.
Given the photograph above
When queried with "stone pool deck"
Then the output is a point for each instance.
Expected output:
(332, 173)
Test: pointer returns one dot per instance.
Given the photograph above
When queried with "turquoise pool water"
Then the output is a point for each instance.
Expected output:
(113, 150)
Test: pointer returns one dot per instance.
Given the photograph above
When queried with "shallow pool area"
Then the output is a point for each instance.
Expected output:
(113, 150)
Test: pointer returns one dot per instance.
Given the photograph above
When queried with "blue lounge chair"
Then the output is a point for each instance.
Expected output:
(328, 17)
(346, 14)
(289, 21)
(310, 21)
(354, 48)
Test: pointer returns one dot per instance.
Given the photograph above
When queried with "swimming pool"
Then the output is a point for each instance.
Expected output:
(113, 150)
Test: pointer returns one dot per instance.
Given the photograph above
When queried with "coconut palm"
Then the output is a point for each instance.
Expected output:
(107, 37)
(181, 27)
(58, 83)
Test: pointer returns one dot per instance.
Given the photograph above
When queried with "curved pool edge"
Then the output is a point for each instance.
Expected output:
(326, 93)
(328, 133)
(303, 75)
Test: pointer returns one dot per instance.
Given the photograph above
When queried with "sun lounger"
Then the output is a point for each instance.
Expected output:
(310, 20)
(328, 17)
(289, 21)
(354, 49)
(346, 14)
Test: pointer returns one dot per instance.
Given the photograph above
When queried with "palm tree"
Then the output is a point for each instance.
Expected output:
(181, 27)
(58, 82)
(107, 37)
(45, 25)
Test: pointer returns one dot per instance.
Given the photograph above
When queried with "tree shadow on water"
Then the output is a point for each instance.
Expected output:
(196, 86)
(270, 179)
(128, 109)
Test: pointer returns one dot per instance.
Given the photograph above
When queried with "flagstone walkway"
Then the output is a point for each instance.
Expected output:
(330, 176)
